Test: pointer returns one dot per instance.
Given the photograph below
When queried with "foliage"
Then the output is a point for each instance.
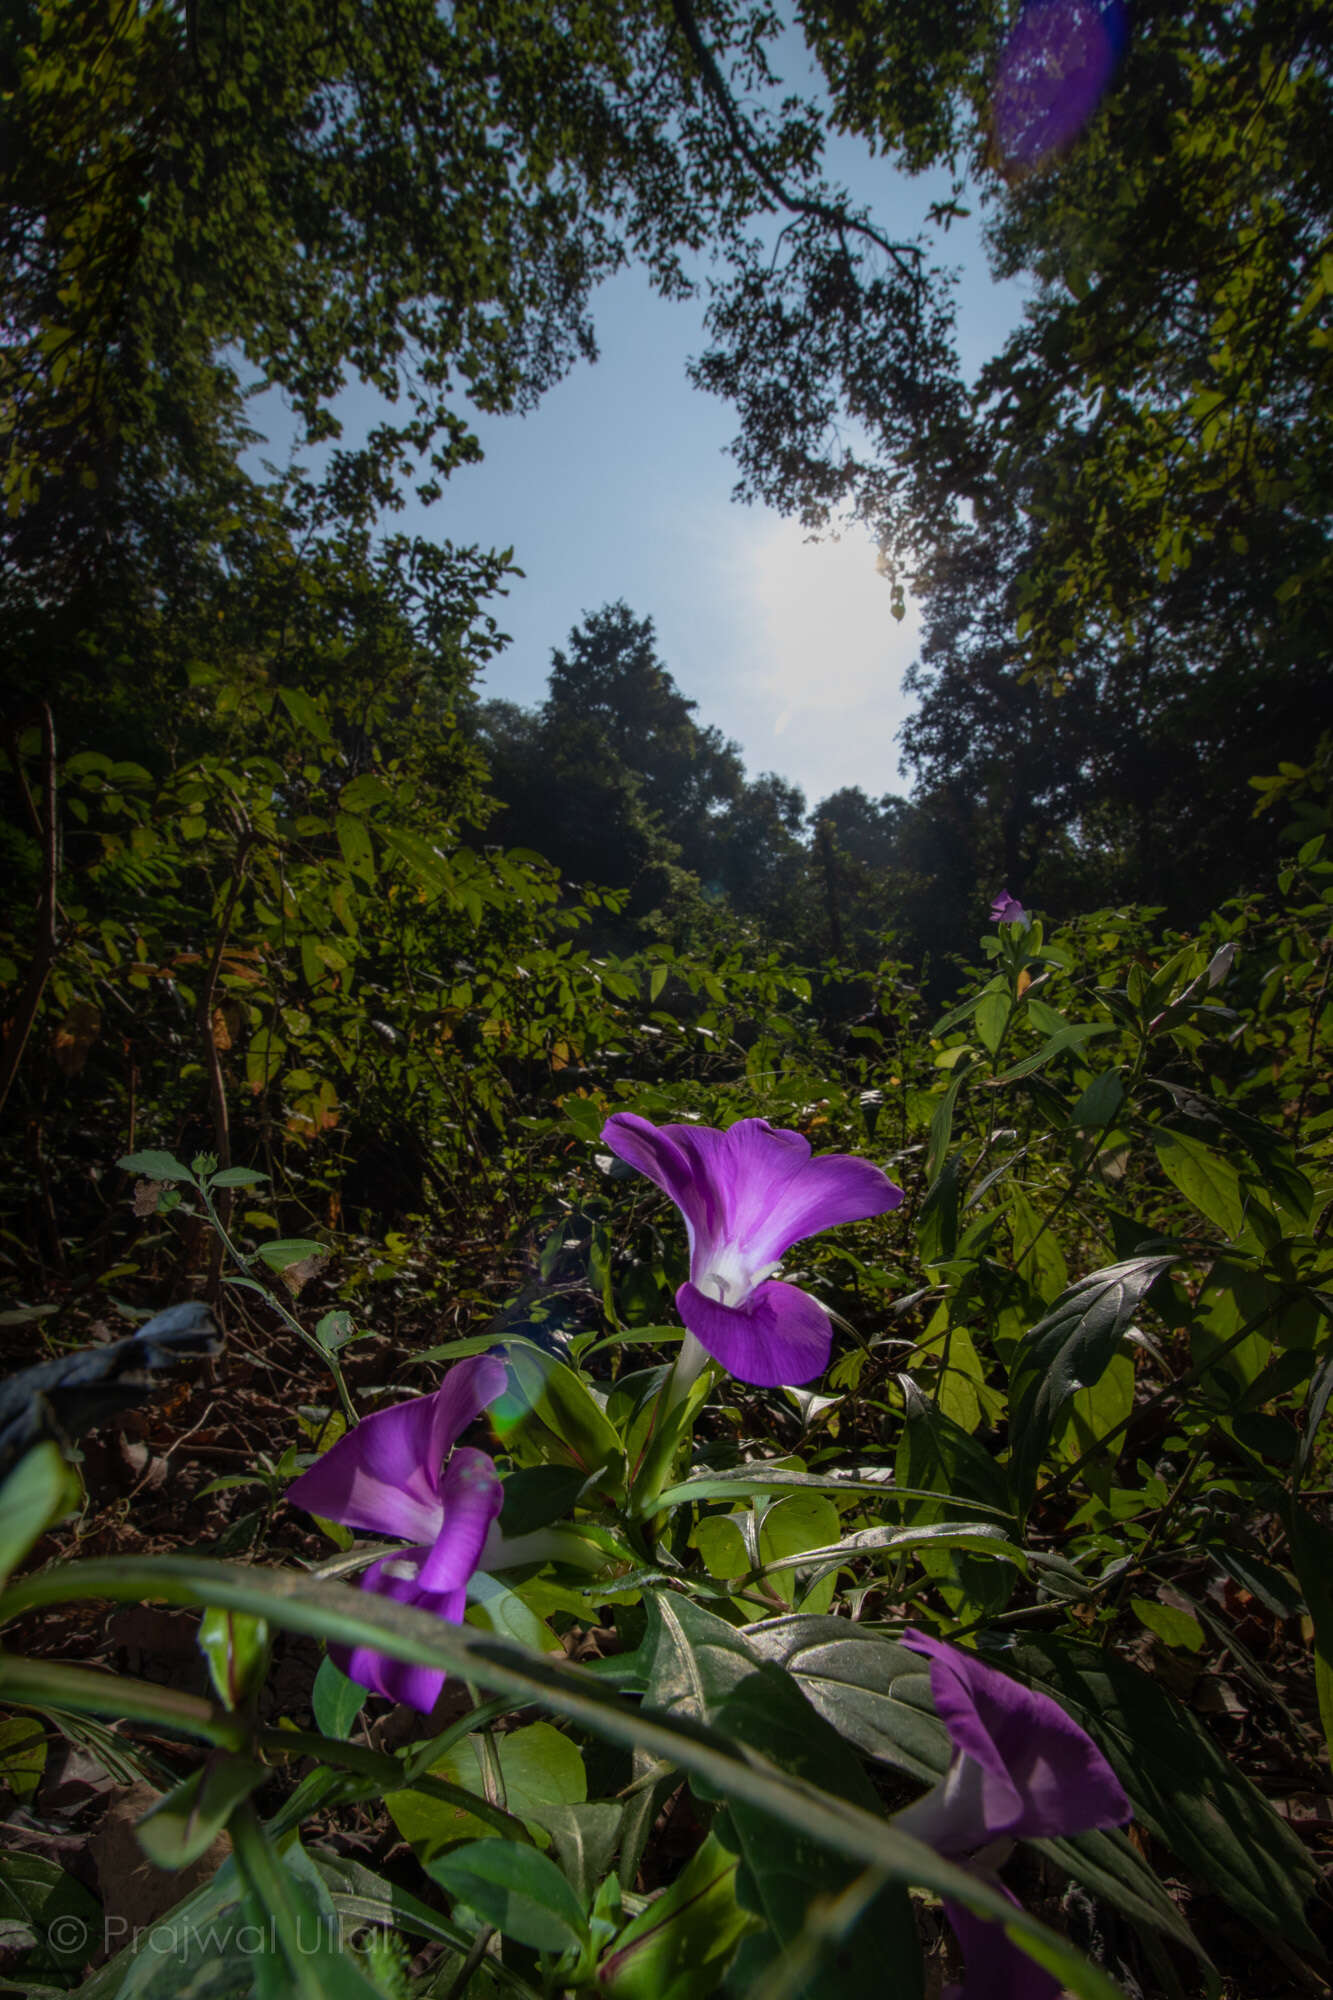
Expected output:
(1080, 1401)
(301, 1018)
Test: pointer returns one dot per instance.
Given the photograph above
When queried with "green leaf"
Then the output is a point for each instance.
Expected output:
(688, 1931)
(937, 1234)
(236, 1177)
(355, 842)
(1171, 1625)
(297, 1950)
(56, 1912)
(1095, 1412)
(537, 1495)
(336, 1701)
(769, 1478)
(790, 1881)
(1069, 1350)
(1108, 1864)
(992, 1018)
(698, 1665)
(423, 860)
(941, 1124)
(519, 1892)
(1265, 1144)
(155, 1166)
(1058, 1045)
(330, 1610)
(790, 1527)
(495, 1606)
(539, 1766)
(291, 1250)
(305, 713)
(1207, 1182)
(543, 1394)
(1100, 1102)
(237, 1649)
(22, 1754)
(41, 1489)
(334, 1329)
(583, 1840)
(184, 1824)
(874, 1693)
(1187, 1793)
(937, 1456)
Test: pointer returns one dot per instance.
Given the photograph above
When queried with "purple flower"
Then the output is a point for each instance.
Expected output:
(396, 1474)
(747, 1194)
(1023, 1770)
(1007, 909)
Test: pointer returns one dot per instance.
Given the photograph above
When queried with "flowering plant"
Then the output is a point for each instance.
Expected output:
(1021, 1770)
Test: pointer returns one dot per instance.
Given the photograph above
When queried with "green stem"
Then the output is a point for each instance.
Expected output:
(387, 1774)
(288, 1319)
(271, 1885)
(84, 1691)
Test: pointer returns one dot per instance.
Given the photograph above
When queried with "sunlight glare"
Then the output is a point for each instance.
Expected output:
(828, 657)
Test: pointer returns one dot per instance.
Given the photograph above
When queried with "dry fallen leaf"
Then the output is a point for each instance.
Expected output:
(75, 1036)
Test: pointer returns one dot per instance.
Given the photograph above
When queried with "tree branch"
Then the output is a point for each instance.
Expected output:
(905, 256)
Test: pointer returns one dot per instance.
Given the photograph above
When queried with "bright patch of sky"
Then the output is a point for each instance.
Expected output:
(618, 486)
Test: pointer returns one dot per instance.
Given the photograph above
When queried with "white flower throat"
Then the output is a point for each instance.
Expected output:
(729, 1279)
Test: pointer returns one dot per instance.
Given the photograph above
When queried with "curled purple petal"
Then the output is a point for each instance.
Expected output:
(994, 1968)
(389, 1476)
(384, 1476)
(655, 1151)
(419, 1687)
(780, 1335)
(1022, 1767)
(471, 1494)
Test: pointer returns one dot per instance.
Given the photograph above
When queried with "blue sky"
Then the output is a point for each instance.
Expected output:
(618, 486)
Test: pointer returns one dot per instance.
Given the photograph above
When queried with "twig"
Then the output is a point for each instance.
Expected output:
(905, 256)
(480, 1944)
(43, 958)
(216, 1086)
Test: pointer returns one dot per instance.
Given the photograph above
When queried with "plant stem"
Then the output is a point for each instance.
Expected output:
(82, 1690)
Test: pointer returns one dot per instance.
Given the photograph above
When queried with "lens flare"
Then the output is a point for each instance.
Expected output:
(1052, 74)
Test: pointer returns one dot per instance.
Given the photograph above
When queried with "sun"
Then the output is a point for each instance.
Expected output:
(825, 660)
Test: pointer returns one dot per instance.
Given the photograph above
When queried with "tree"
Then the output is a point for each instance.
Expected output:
(1165, 406)
(425, 196)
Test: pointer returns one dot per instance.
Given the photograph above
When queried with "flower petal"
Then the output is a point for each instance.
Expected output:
(772, 1211)
(654, 1150)
(384, 1477)
(779, 1336)
(1043, 1777)
(995, 1969)
(472, 1495)
(752, 1190)
(770, 1192)
(419, 1687)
